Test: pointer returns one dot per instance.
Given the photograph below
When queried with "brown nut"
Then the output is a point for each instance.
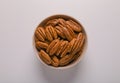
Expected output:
(62, 44)
(52, 32)
(66, 33)
(51, 45)
(76, 46)
(41, 45)
(74, 26)
(60, 32)
(54, 48)
(77, 43)
(39, 36)
(78, 27)
(72, 44)
(66, 50)
(42, 32)
(82, 41)
(66, 60)
(45, 57)
(48, 34)
(77, 55)
(55, 61)
(70, 31)
(62, 47)
(52, 22)
(62, 22)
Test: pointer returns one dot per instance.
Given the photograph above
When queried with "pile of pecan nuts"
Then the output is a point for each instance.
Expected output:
(59, 42)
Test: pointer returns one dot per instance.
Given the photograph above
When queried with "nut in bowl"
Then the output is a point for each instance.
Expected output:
(60, 41)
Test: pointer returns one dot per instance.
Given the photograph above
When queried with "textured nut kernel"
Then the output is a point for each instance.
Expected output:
(45, 57)
(66, 33)
(78, 27)
(62, 21)
(75, 49)
(48, 34)
(66, 60)
(65, 51)
(64, 24)
(42, 32)
(77, 55)
(51, 45)
(54, 48)
(79, 43)
(79, 38)
(39, 36)
(62, 44)
(55, 61)
(82, 41)
(74, 27)
(79, 35)
(72, 44)
(52, 22)
(53, 32)
(60, 32)
(41, 45)
(70, 31)
(64, 47)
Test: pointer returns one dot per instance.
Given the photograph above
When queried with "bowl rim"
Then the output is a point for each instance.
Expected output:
(84, 49)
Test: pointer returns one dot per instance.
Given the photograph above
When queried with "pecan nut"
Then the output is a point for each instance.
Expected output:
(66, 50)
(66, 60)
(53, 22)
(55, 61)
(62, 44)
(54, 48)
(51, 45)
(60, 32)
(42, 32)
(76, 28)
(66, 33)
(53, 32)
(41, 45)
(48, 34)
(39, 36)
(45, 57)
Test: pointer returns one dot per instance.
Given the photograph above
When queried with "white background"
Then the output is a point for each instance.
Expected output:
(19, 18)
